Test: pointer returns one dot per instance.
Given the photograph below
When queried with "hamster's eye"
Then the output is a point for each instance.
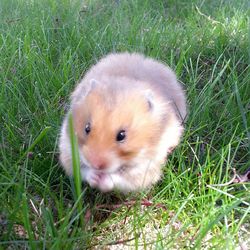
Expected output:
(87, 128)
(121, 135)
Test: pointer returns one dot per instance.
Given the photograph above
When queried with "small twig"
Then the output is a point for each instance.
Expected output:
(34, 208)
(87, 216)
(236, 179)
(117, 242)
(229, 182)
(208, 17)
(13, 20)
(243, 178)
(229, 195)
(128, 204)
(125, 219)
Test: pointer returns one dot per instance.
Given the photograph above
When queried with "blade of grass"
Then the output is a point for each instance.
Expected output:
(242, 112)
(27, 223)
(75, 165)
(210, 225)
(36, 141)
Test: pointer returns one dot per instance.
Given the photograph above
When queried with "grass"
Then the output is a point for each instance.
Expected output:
(46, 46)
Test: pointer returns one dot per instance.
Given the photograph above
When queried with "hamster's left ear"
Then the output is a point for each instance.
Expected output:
(93, 83)
(149, 98)
(82, 90)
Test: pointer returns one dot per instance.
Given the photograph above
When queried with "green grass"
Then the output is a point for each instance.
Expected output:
(45, 48)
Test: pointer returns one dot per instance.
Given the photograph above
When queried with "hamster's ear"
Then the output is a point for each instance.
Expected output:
(93, 83)
(83, 89)
(149, 98)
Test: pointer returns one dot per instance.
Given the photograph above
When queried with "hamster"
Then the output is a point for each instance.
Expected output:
(128, 114)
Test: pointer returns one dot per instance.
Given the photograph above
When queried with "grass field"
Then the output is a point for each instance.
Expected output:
(46, 46)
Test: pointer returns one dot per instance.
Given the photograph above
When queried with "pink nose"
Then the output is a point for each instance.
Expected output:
(101, 165)
(98, 163)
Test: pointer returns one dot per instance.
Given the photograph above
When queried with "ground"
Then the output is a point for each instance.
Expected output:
(45, 48)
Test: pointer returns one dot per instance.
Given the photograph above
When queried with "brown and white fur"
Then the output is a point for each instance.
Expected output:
(130, 93)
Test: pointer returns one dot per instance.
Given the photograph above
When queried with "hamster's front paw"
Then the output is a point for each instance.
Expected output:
(93, 179)
(106, 184)
(98, 180)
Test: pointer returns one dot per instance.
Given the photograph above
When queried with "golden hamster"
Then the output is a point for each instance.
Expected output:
(128, 114)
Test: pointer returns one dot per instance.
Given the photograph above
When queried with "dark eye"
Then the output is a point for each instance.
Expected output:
(87, 128)
(121, 135)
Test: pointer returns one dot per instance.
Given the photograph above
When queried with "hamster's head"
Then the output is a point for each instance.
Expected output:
(115, 125)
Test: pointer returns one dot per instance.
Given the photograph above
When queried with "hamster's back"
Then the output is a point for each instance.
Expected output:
(136, 66)
(133, 65)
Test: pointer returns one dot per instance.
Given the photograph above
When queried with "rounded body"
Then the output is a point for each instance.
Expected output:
(128, 114)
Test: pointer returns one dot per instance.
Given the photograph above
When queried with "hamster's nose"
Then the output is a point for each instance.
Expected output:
(98, 163)
(102, 165)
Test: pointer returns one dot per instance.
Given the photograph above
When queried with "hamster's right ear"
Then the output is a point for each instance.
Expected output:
(83, 89)
(150, 98)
